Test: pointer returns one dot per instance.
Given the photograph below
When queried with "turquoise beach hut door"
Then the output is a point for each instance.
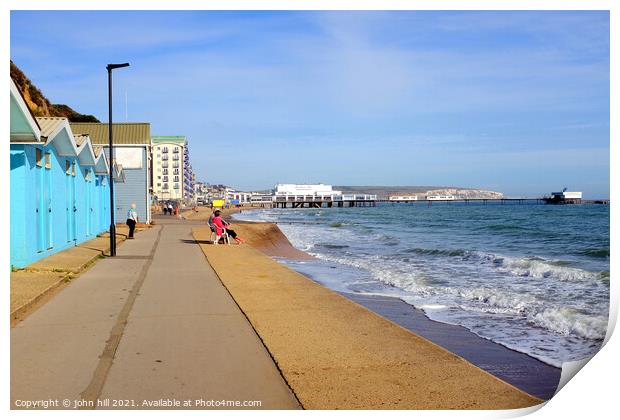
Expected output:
(71, 205)
(47, 197)
(89, 202)
(39, 200)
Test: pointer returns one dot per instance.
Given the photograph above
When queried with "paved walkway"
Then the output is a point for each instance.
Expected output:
(150, 326)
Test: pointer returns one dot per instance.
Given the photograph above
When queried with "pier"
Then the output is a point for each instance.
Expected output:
(469, 200)
(535, 200)
(319, 201)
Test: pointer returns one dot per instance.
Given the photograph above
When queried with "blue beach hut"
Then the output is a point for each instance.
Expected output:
(59, 191)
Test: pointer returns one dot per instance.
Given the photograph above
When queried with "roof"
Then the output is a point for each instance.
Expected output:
(49, 124)
(24, 126)
(124, 133)
(169, 139)
(80, 138)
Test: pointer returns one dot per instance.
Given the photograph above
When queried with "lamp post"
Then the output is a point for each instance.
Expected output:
(111, 67)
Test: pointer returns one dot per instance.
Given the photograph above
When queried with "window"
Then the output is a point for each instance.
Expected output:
(176, 186)
(38, 157)
(176, 179)
(88, 175)
(48, 161)
(73, 168)
(158, 177)
(164, 165)
(68, 167)
(159, 184)
(165, 186)
(165, 178)
(176, 150)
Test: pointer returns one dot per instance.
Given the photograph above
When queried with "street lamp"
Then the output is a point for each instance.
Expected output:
(111, 67)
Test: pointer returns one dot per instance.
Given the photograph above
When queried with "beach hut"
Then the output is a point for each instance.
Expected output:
(132, 145)
(59, 191)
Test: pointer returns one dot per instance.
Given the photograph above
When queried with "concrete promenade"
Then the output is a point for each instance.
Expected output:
(153, 323)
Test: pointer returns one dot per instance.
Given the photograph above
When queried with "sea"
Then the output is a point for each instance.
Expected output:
(532, 277)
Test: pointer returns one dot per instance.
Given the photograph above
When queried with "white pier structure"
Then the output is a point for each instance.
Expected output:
(317, 196)
(402, 198)
(440, 198)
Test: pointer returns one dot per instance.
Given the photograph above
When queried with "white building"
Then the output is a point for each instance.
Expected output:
(440, 197)
(168, 178)
(261, 198)
(403, 198)
(305, 189)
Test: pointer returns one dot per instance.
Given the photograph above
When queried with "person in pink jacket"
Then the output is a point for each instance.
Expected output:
(221, 225)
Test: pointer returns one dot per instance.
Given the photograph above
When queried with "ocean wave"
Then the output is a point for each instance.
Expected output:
(443, 252)
(567, 321)
(530, 266)
(540, 268)
(505, 228)
(561, 320)
(331, 246)
(496, 301)
(595, 252)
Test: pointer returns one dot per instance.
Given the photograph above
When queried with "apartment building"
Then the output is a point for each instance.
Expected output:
(168, 154)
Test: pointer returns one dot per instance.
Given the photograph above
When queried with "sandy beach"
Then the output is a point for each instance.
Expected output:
(335, 353)
(521, 370)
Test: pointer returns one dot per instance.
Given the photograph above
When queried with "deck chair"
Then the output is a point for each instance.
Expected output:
(217, 238)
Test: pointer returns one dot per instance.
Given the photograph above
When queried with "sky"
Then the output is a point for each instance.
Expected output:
(511, 101)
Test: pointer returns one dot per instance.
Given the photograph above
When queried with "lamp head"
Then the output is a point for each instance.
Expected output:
(116, 66)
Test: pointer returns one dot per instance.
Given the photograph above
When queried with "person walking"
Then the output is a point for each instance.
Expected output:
(132, 219)
(170, 209)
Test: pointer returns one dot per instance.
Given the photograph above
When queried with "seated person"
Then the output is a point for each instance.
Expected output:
(219, 225)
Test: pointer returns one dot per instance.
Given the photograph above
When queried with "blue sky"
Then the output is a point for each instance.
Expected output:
(516, 102)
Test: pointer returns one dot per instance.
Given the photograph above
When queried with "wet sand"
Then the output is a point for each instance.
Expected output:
(519, 369)
(335, 353)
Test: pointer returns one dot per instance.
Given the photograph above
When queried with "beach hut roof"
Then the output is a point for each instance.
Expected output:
(80, 139)
(56, 130)
(134, 133)
(24, 126)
